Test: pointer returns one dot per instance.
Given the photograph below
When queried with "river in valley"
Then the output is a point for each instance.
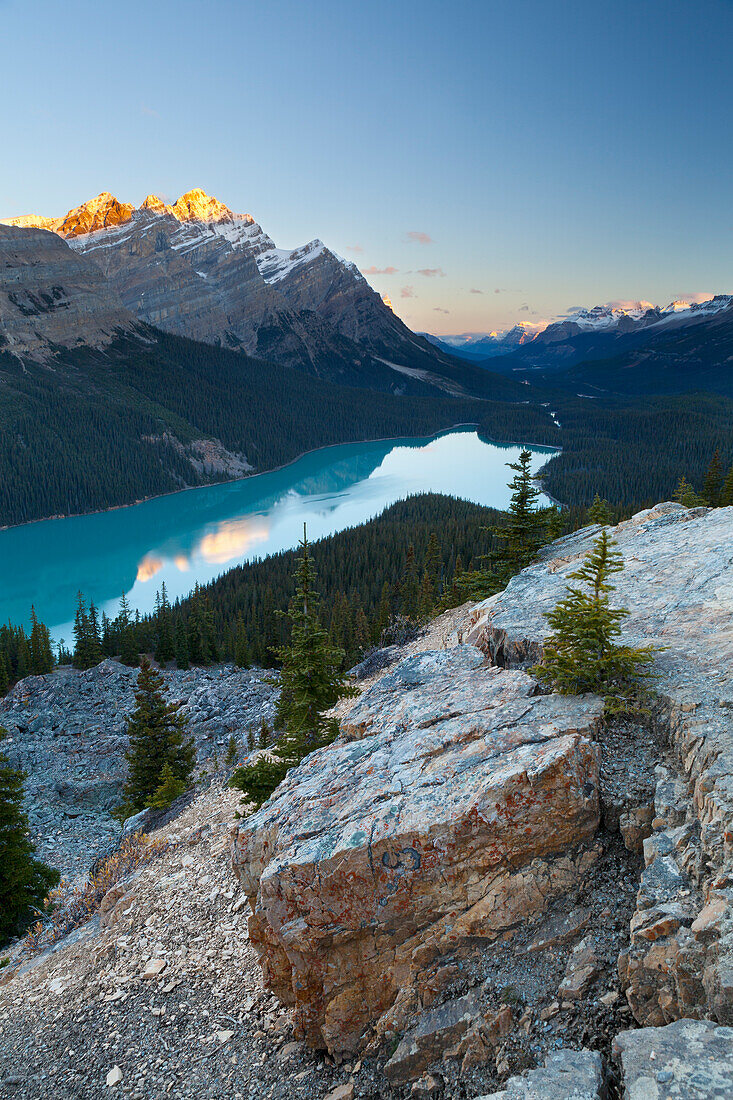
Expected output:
(197, 534)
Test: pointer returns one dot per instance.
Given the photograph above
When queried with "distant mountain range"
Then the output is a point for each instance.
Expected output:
(599, 333)
(195, 268)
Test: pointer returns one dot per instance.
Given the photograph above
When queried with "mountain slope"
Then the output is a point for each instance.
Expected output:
(696, 356)
(94, 428)
(197, 269)
(50, 297)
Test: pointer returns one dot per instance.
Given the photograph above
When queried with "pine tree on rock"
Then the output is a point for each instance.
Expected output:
(685, 494)
(581, 655)
(525, 530)
(232, 751)
(599, 512)
(24, 880)
(310, 683)
(157, 733)
(169, 789)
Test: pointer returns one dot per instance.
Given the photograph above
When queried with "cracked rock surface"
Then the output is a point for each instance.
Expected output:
(678, 586)
(457, 803)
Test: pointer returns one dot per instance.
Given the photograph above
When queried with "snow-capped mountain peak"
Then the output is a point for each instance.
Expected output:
(196, 205)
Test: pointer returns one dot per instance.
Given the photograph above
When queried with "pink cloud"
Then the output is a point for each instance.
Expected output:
(697, 296)
(354, 248)
(437, 309)
(379, 270)
(474, 291)
(407, 292)
(419, 238)
(432, 272)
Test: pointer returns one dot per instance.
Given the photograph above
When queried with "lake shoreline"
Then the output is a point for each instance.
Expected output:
(283, 466)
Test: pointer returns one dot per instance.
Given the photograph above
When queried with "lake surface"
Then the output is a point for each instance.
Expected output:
(197, 534)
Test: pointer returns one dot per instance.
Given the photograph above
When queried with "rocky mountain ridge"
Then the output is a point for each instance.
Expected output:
(198, 269)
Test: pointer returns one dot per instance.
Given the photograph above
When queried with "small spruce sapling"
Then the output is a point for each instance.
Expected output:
(232, 752)
(157, 732)
(581, 655)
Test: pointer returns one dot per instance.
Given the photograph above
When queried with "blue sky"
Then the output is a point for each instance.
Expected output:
(559, 153)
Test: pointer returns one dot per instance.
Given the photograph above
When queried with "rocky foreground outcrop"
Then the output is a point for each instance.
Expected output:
(458, 803)
(678, 586)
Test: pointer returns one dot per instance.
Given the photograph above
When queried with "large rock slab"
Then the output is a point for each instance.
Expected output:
(566, 1075)
(685, 1060)
(452, 809)
(678, 586)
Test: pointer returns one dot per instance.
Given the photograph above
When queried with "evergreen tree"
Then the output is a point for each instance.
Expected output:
(713, 481)
(231, 756)
(94, 640)
(581, 655)
(310, 684)
(525, 530)
(4, 675)
(129, 654)
(157, 733)
(169, 789)
(409, 586)
(24, 880)
(430, 578)
(384, 613)
(726, 493)
(241, 644)
(263, 739)
(181, 646)
(599, 512)
(87, 643)
(164, 647)
(41, 655)
(685, 494)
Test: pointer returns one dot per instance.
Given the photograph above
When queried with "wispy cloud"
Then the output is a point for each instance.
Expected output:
(407, 292)
(379, 270)
(523, 309)
(432, 272)
(417, 237)
(145, 110)
(473, 290)
(696, 296)
(354, 248)
(437, 309)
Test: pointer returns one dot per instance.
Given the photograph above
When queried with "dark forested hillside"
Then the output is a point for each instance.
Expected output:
(97, 429)
(634, 451)
(357, 570)
(94, 429)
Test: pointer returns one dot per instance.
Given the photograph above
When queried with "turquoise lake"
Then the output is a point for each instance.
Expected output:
(197, 534)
